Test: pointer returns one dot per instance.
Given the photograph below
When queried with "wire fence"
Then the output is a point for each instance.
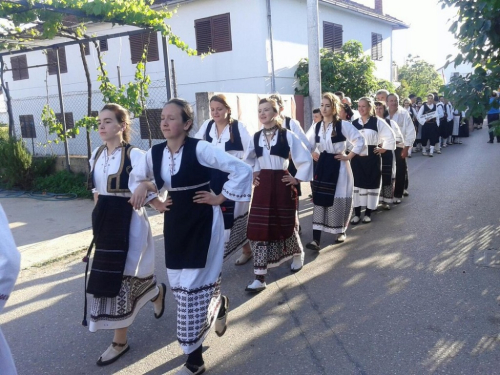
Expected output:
(28, 124)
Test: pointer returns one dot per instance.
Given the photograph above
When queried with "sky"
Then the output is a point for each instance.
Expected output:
(428, 35)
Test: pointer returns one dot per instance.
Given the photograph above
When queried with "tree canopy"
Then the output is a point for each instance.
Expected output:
(349, 70)
(477, 30)
(419, 77)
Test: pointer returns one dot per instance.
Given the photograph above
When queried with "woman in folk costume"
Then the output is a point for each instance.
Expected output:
(388, 158)
(193, 224)
(333, 182)
(428, 117)
(231, 136)
(273, 224)
(457, 120)
(367, 166)
(122, 237)
(10, 261)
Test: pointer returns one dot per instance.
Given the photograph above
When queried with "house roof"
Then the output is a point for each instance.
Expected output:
(367, 11)
(348, 5)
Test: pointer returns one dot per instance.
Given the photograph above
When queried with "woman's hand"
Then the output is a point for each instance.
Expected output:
(160, 206)
(208, 197)
(379, 150)
(342, 157)
(290, 179)
(256, 179)
(315, 156)
(139, 196)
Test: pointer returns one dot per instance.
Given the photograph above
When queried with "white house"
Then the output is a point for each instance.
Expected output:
(242, 59)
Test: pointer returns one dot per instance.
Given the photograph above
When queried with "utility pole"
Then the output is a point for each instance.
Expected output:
(313, 54)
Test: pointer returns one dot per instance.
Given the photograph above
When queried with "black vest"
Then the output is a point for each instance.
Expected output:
(427, 110)
(281, 148)
(236, 144)
(195, 174)
(287, 122)
(118, 182)
(371, 124)
(339, 137)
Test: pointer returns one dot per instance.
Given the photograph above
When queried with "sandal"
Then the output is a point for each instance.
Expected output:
(244, 258)
(112, 353)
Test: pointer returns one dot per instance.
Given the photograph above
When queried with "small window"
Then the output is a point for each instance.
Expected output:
(139, 42)
(19, 68)
(103, 45)
(86, 45)
(154, 119)
(376, 47)
(70, 124)
(52, 60)
(27, 126)
(332, 36)
(213, 34)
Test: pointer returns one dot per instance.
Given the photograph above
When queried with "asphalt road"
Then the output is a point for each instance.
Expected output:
(414, 292)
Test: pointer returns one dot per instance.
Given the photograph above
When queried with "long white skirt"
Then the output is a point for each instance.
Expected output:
(138, 283)
(197, 291)
(335, 219)
(368, 198)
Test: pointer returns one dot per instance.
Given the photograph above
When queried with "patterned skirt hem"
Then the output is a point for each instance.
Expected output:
(322, 227)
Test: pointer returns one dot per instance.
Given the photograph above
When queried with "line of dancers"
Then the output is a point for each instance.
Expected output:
(203, 186)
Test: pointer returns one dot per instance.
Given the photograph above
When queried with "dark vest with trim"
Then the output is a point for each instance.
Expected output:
(371, 124)
(427, 110)
(281, 148)
(236, 144)
(118, 182)
(339, 137)
(187, 225)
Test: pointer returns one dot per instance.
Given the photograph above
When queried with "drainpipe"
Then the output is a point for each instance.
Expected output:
(270, 35)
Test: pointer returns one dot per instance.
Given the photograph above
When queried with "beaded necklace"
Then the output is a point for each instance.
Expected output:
(269, 132)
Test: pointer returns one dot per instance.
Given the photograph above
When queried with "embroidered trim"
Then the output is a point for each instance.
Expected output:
(183, 188)
(236, 195)
(4, 297)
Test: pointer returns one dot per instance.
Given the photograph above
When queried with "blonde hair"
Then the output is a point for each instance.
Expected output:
(371, 105)
(335, 103)
(122, 116)
(276, 108)
(221, 98)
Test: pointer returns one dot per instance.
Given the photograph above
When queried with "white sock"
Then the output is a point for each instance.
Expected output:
(432, 149)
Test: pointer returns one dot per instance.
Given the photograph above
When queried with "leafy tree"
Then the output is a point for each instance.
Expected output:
(403, 90)
(385, 85)
(349, 70)
(477, 30)
(420, 77)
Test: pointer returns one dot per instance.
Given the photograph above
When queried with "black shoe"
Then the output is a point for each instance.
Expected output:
(489, 142)
(313, 245)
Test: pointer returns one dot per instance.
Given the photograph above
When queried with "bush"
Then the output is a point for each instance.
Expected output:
(15, 164)
(63, 182)
(43, 166)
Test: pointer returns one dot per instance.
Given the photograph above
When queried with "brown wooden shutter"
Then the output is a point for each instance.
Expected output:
(337, 37)
(16, 72)
(154, 118)
(203, 30)
(27, 126)
(139, 42)
(221, 33)
(52, 60)
(103, 45)
(376, 46)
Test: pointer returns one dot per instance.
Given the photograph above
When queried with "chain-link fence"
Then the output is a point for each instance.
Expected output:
(28, 122)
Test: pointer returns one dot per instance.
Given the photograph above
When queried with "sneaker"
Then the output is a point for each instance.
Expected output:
(355, 220)
(431, 155)
(489, 142)
(444, 145)
(367, 219)
(297, 263)
(438, 152)
(386, 206)
(256, 286)
(313, 245)
(397, 201)
(341, 237)
(425, 153)
(221, 323)
(405, 193)
(112, 353)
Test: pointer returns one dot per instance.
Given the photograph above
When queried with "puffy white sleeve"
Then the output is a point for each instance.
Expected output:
(245, 136)
(311, 137)
(10, 260)
(386, 136)
(142, 170)
(397, 131)
(92, 163)
(301, 157)
(420, 115)
(408, 130)
(200, 134)
(250, 156)
(238, 187)
(353, 136)
(299, 132)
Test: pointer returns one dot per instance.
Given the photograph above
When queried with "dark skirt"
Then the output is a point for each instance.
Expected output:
(217, 181)
(325, 180)
(367, 170)
(273, 209)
